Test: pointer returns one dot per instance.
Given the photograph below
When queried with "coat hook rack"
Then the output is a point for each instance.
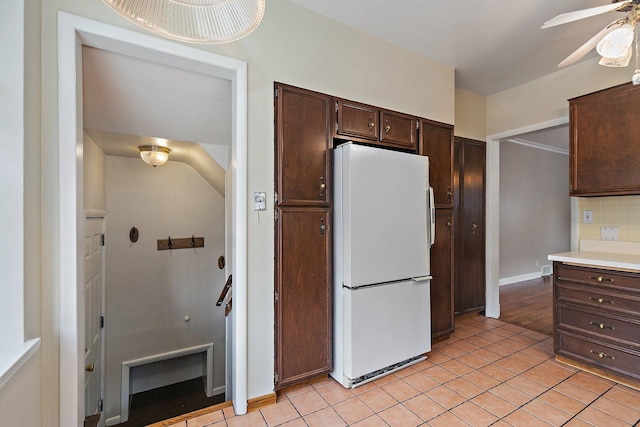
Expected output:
(180, 243)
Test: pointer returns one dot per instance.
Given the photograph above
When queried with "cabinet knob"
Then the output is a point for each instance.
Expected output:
(602, 325)
(602, 355)
(449, 223)
(90, 368)
(449, 194)
(601, 300)
(387, 127)
(601, 279)
(372, 124)
(322, 186)
(322, 227)
(473, 227)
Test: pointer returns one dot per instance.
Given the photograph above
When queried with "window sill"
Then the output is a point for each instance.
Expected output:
(13, 358)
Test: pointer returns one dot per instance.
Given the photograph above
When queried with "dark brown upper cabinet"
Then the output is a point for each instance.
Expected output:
(303, 132)
(436, 141)
(355, 120)
(398, 130)
(372, 125)
(604, 147)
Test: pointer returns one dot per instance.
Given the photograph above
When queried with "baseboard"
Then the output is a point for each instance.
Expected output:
(219, 390)
(261, 402)
(112, 421)
(519, 278)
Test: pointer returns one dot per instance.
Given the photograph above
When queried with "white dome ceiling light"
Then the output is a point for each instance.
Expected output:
(195, 21)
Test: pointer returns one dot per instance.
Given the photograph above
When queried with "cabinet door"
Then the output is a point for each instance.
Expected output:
(357, 120)
(303, 138)
(470, 226)
(303, 301)
(603, 146)
(436, 141)
(442, 272)
(398, 130)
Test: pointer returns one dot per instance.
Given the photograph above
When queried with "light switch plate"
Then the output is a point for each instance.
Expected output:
(259, 201)
(587, 217)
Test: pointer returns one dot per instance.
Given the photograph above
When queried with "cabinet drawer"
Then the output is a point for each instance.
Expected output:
(601, 298)
(598, 277)
(598, 354)
(624, 331)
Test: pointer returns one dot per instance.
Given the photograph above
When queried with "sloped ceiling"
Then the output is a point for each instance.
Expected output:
(129, 102)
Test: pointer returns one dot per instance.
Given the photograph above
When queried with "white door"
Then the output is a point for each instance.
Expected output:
(93, 291)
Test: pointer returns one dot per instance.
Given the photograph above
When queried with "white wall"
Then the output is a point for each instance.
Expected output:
(535, 209)
(294, 46)
(94, 176)
(149, 292)
(471, 115)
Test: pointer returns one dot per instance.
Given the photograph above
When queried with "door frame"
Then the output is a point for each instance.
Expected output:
(492, 209)
(74, 32)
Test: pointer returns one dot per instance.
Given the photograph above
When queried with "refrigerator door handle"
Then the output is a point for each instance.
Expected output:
(421, 278)
(431, 209)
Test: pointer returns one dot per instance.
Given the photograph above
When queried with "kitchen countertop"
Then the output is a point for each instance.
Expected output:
(614, 255)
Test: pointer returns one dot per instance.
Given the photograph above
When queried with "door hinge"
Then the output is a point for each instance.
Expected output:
(102, 240)
(275, 296)
(101, 322)
(100, 405)
(336, 106)
(336, 126)
(275, 378)
(275, 198)
(417, 124)
(275, 92)
(276, 216)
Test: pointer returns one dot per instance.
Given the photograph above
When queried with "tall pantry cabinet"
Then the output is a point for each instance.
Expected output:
(436, 141)
(469, 219)
(303, 243)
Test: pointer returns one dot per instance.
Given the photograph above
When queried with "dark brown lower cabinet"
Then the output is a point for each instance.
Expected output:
(469, 220)
(303, 297)
(442, 320)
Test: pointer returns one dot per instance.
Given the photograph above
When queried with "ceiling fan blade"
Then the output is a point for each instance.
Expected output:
(584, 13)
(591, 43)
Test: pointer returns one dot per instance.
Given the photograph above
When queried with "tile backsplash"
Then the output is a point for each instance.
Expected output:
(620, 211)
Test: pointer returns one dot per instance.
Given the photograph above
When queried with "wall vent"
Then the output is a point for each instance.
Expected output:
(546, 270)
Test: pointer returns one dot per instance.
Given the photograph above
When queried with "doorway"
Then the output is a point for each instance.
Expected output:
(73, 33)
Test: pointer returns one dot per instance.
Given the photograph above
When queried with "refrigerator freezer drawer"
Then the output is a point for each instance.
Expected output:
(385, 324)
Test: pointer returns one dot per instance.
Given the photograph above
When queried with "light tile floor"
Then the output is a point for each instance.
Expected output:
(487, 373)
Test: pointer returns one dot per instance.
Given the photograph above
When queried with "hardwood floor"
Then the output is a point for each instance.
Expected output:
(528, 304)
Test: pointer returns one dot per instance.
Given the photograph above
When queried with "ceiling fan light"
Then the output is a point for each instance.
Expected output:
(154, 155)
(621, 61)
(617, 42)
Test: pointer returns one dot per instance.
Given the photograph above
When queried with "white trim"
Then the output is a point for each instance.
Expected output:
(538, 146)
(492, 213)
(94, 213)
(125, 386)
(14, 358)
(519, 278)
(73, 32)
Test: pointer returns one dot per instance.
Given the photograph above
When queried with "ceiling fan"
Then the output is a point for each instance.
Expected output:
(614, 42)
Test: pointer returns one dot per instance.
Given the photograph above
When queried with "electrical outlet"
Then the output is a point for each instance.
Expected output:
(259, 201)
(587, 217)
(609, 233)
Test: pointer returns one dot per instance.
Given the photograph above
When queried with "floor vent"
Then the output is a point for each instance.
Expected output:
(546, 270)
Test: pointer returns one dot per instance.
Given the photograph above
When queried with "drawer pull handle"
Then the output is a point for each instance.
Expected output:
(602, 355)
(602, 325)
(601, 300)
(600, 279)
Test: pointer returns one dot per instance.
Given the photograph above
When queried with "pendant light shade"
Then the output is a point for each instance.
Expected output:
(197, 21)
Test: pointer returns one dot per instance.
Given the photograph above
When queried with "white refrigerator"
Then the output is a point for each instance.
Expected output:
(383, 230)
